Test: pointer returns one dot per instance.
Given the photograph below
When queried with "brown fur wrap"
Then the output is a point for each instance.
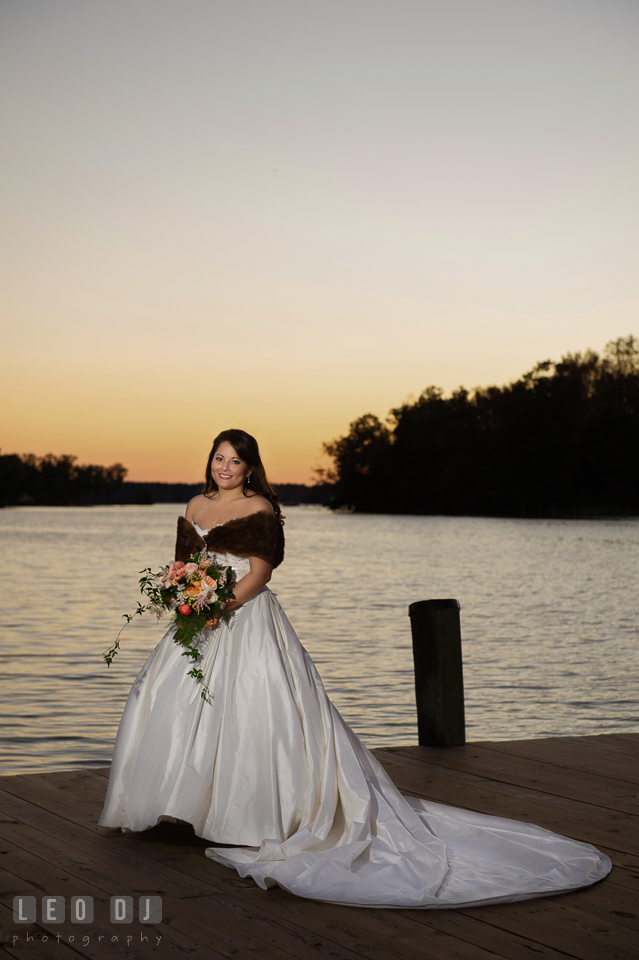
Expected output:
(258, 535)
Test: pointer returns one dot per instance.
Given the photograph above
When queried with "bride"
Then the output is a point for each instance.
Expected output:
(268, 770)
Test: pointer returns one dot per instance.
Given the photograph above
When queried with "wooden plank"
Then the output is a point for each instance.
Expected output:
(501, 761)
(365, 931)
(380, 926)
(550, 778)
(43, 861)
(45, 938)
(55, 851)
(492, 804)
(34, 947)
(579, 894)
(584, 810)
(44, 877)
(623, 737)
(500, 942)
(411, 944)
(580, 746)
(104, 771)
(99, 936)
(580, 821)
(607, 813)
(209, 923)
(54, 793)
(188, 928)
(21, 949)
(442, 786)
(626, 743)
(376, 934)
(598, 759)
(552, 923)
(624, 875)
(125, 852)
(148, 850)
(610, 901)
(437, 771)
(94, 786)
(217, 913)
(321, 941)
(193, 927)
(80, 880)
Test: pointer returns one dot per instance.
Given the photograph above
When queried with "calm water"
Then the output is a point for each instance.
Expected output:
(549, 621)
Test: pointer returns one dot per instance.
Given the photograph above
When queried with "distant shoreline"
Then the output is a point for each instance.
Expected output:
(142, 493)
(142, 499)
(131, 493)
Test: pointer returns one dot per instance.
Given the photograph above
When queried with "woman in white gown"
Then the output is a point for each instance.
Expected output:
(269, 766)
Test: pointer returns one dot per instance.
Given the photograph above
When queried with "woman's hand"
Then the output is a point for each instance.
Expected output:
(250, 585)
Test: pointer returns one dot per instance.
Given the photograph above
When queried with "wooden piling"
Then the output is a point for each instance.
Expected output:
(439, 682)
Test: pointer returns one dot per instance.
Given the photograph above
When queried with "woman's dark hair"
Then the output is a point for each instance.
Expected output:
(247, 449)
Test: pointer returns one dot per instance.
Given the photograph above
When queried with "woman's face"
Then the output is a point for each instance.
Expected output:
(227, 469)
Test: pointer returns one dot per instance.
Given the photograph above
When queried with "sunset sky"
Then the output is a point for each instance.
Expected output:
(282, 214)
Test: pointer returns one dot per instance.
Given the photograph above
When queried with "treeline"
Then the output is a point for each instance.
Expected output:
(134, 492)
(26, 479)
(290, 494)
(561, 441)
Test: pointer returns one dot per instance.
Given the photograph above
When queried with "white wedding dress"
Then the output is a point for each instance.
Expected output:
(271, 767)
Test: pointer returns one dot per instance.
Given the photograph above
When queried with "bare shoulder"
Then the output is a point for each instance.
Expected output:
(257, 504)
(192, 505)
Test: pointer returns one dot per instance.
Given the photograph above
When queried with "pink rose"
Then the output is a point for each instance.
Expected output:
(184, 609)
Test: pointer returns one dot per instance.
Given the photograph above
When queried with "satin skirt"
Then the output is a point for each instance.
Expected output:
(271, 767)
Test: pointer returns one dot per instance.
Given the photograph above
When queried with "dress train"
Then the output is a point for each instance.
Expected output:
(271, 767)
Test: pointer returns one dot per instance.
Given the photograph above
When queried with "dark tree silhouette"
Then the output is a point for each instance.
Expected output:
(561, 440)
(51, 480)
(358, 460)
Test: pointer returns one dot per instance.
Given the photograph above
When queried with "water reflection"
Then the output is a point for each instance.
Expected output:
(548, 621)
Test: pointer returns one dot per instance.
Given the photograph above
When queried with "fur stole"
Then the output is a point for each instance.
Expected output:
(258, 535)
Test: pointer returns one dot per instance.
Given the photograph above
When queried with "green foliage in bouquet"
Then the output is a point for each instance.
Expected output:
(196, 592)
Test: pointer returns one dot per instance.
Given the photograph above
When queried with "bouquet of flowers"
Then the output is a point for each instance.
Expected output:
(196, 592)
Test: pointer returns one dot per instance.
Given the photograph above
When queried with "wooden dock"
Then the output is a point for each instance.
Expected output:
(584, 787)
